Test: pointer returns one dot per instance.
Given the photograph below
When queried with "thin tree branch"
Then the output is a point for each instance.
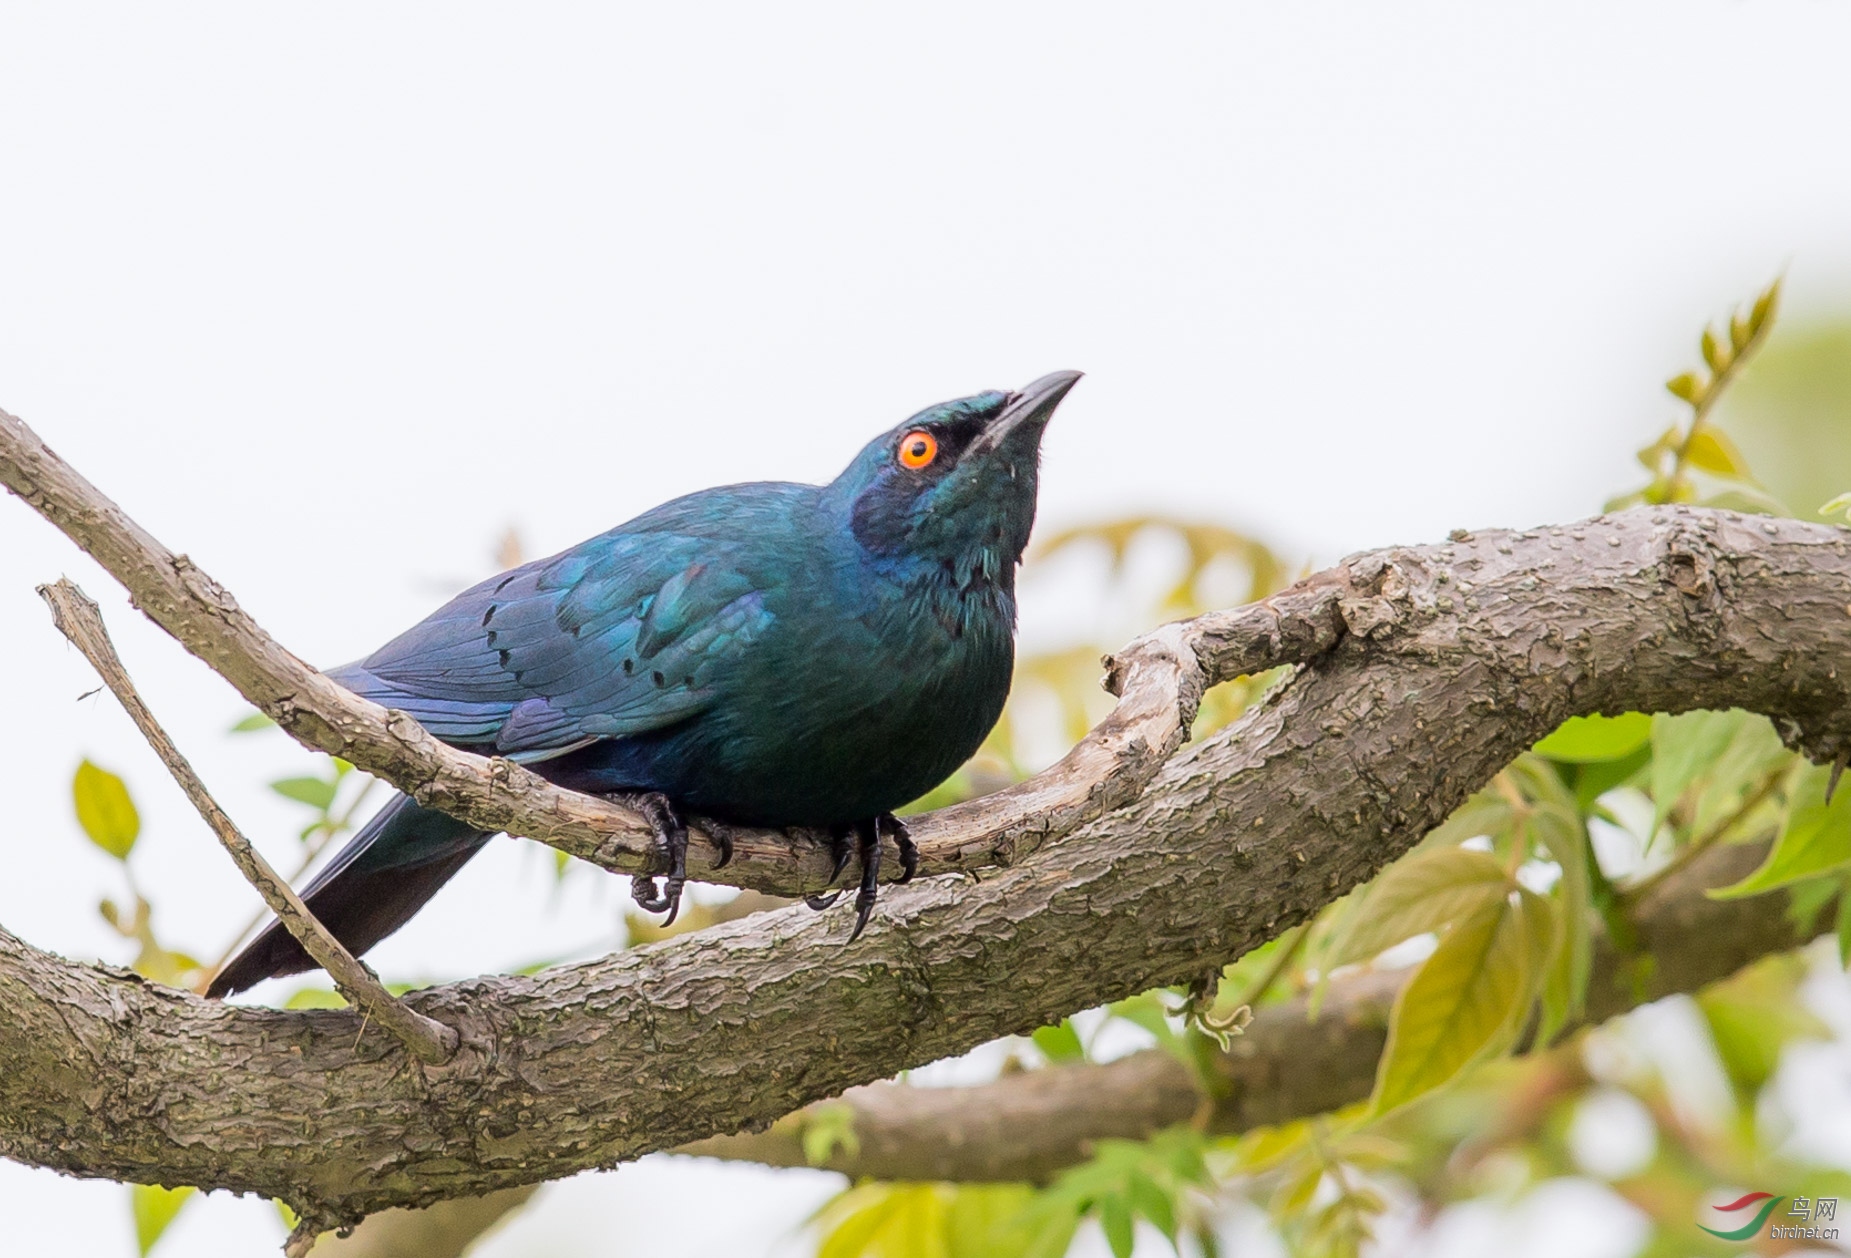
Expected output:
(1159, 680)
(78, 619)
(1286, 1066)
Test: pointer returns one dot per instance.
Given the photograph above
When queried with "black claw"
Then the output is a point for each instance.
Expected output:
(903, 838)
(839, 844)
(671, 848)
(723, 839)
(869, 835)
(839, 847)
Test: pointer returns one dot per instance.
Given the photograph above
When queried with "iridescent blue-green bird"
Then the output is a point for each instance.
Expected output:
(765, 654)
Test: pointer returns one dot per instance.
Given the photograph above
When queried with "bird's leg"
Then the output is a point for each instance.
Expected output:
(903, 839)
(671, 847)
(869, 835)
(838, 847)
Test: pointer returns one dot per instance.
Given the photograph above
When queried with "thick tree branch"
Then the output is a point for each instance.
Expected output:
(1456, 657)
(1029, 1126)
(78, 619)
(1159, 679)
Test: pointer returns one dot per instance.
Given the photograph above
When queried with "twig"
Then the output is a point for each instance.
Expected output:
(313, 849)
(79, 620)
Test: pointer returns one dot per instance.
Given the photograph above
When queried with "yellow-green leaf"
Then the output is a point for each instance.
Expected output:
(1686, 386)
(1465, 1000)
(886, 1220)
(1765, 305)
(1425, 892)
(1841, 503)
(315, 998)
(1059, 1042)
(154, 1208)
(826, 1128)
(1739, 332)
(317, 793)
(105, 810)
(1591, 739)
(1814, 839)
(1715, 353)
(1710, 450)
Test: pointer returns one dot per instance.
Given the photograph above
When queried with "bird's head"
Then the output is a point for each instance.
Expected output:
(955, 484)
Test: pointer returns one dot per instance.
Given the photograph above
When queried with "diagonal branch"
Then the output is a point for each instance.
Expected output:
(1159, 680)
(430, 1041)
(1453, 658)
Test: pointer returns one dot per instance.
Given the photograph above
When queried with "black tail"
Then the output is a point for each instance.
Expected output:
(385, 874)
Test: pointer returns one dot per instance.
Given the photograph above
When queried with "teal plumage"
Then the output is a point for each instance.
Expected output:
(767, 654)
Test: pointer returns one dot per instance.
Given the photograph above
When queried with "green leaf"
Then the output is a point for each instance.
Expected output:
(1466, 1000)
(104, 810)
(1687, 387)
(1841, 503)
(1060, 1042)
(1557, 821)
(1115, 1220)
(1685, 748)
(1487, 813)
(1844, 926)
(255, 721)
(825, 1129)
(1814, 839)
(1422, 893)
(1710, 450)
(1754, 1015)
(1596, 778)
(1588, 739)
(154, 1208)
(317, 793)
(315, 998)
(1149, 1199)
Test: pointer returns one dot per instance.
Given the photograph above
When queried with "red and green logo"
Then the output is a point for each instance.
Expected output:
(1767, 1201)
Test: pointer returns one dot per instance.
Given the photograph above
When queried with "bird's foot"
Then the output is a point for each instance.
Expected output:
(722, 835)
(868, 843)
(671, 850)
(868, 834)
(838, 847)
(903, 839)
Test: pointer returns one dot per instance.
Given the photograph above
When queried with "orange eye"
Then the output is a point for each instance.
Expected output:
(917, 449)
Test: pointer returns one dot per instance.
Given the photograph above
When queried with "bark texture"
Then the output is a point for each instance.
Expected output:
(1287, 1066)
(1450, 660)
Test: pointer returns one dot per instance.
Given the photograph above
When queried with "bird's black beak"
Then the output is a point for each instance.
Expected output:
(1027, 409)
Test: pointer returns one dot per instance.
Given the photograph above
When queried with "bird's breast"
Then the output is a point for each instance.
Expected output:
(849, 710)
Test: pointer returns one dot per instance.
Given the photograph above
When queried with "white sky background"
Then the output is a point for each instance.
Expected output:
(328, 297)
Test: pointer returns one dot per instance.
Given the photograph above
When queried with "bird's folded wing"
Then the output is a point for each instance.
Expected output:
(624, 634)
